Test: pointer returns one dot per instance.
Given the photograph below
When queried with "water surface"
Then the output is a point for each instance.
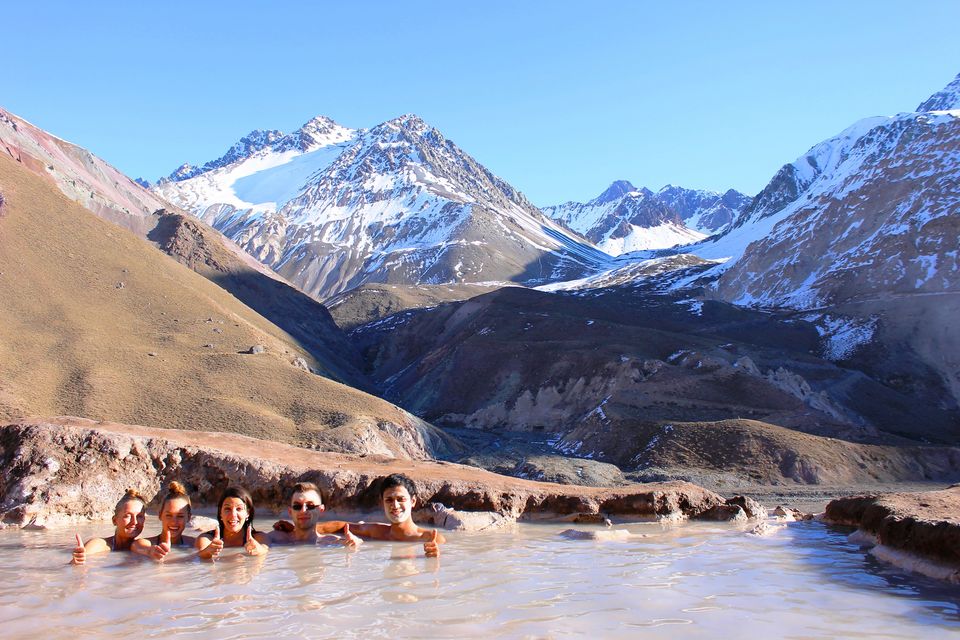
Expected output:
(689, 580)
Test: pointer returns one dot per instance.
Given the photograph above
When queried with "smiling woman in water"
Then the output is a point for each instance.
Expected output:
(235, 513)
(128, 517)
(174, 516)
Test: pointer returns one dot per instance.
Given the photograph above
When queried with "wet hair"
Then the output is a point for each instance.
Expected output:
(243, 495)
(303, 487)
(131, 495)
(176, 490)
(397, 480)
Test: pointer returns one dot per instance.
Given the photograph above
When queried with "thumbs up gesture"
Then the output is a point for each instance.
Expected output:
(216, 545)
(79, 552)
(252, 547)
(349, 540)
(160, 550)
(432, 547)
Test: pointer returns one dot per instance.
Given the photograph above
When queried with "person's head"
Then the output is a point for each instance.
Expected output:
(398, 496)
(130, 514)
(306, 505)
(235, 511)
(175, 509)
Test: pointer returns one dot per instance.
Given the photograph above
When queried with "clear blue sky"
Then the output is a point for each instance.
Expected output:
(557, 98)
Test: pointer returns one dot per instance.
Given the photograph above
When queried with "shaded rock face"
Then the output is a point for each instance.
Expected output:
(648, 381)
(74, 470)
(526, 360)
(926, 523)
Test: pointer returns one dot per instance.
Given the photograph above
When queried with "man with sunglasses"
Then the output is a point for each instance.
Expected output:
(306, 507)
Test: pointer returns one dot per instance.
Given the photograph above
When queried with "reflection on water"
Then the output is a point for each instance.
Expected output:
(677, 581)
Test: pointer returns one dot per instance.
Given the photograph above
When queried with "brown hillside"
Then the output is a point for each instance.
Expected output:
(90, 181)
(94, 322)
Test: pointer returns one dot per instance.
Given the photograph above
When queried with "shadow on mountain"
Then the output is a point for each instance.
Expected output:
(307, 321)
(642, 379)
(574, 260)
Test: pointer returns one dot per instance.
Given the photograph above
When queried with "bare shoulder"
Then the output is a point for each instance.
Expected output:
(98, 545)
(275, 537)
(374, 530)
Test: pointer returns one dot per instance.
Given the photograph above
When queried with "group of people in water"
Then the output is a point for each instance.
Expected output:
(234, 528)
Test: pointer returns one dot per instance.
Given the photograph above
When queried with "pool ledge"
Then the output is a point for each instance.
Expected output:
(915, 531)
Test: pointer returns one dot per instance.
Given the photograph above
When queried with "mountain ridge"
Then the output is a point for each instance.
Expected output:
(397, 203)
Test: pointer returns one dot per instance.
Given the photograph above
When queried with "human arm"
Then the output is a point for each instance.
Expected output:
(155, 552)
(349, 538)
(372, 530)
(256, 544)
(92, 546)
(209, 548)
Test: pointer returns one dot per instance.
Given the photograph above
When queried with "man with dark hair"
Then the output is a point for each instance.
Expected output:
(306, 507)
(398, 496)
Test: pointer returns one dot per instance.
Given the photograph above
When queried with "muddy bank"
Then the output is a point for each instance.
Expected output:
(68, 469)
(917, 531)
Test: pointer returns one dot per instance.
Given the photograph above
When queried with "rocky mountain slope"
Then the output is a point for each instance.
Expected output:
(861, 234)
(634, 377)
(97, 323)
(80, 175)
(859, 237)
(624, 219)
(332, 208)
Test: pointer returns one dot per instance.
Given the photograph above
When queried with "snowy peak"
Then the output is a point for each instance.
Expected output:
(944, 100)
(332, 208)
(869, 212)
(615, 191)
(317, 133)
(244, 148)
(708, 212)
(624, 218)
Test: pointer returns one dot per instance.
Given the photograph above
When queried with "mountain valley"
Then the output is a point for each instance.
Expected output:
(409, 302)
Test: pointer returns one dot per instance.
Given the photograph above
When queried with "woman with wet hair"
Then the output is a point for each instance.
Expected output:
(128, 518)
(235, 514)
(175, 511)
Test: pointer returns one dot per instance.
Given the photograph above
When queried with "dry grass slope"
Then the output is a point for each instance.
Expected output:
(94, 322)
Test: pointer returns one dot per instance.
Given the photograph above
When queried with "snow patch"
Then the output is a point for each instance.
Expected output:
(842, 335)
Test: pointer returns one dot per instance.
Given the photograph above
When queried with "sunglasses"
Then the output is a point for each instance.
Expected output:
(300, 506)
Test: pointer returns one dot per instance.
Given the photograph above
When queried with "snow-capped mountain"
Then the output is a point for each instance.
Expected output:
(872, 211)
(861, 232)
(708, 212)
(624, 219)
(944, 100)
(331, 208)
